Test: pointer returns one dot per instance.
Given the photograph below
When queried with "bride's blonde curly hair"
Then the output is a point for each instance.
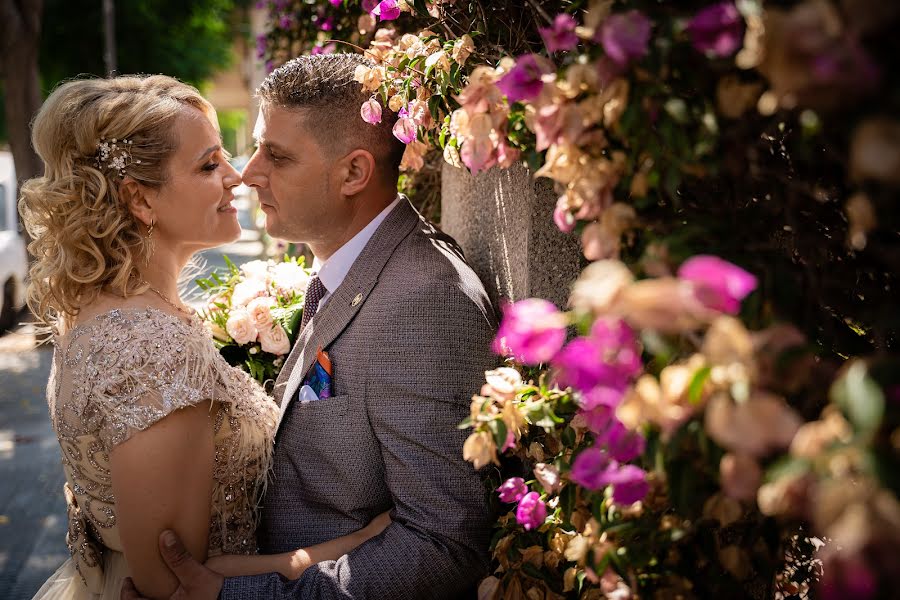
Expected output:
(85, 238)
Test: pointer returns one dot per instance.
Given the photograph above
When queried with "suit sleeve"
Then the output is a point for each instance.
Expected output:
(423, 372)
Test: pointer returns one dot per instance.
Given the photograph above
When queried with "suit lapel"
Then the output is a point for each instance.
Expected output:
(345, 301)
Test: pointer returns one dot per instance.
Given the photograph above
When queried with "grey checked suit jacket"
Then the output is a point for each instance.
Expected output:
(408, 333)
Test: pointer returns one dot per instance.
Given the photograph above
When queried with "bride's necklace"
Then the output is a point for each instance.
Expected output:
(166, 299)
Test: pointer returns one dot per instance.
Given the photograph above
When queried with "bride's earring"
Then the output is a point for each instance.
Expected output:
(149, 243)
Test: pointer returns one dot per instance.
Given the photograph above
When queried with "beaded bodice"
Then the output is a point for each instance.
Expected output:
(121, 372)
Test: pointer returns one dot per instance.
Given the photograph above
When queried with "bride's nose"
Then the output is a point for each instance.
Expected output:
(232, 176)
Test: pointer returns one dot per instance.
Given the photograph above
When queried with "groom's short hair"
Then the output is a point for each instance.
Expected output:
(324, 83)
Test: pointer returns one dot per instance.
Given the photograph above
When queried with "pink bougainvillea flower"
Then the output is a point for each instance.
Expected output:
(478, 154)
(718, 284)
(335, 2)
(285, 21)
(717, 29)
(387, 10)
(564, 219)
(405, 130)
(625, 36)
(580, 365)
(326, 49)
(593, 469)
(531, 511)
(512, 490)
(561, 35)
(533, 330)
(326, 24)
(629, 484)
(261, 42)
(598, 407)
(370, 111)
(621, 443)
(523, 81)
(608, 357)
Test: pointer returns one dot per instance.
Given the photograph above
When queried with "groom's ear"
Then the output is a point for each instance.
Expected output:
(357, 170)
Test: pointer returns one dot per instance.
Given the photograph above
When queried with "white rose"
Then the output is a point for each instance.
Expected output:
(256, 269)
(246, 291)
(288, 276)
(274, 340)
(260, 311)
(240, 327)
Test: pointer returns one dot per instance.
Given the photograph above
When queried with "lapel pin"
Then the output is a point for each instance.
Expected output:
(356, 300)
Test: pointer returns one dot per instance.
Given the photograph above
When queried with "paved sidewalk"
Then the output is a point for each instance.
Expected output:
(32, 508)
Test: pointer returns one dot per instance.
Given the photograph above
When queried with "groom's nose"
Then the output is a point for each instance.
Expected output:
(253, 174)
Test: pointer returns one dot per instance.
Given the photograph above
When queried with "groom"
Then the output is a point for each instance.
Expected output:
(407, 327)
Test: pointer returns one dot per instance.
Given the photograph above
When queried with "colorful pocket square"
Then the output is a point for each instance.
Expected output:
(320, 375)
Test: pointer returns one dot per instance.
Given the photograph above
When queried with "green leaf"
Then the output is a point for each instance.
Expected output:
(420, 7)
(465, 423)
(860, 397)
(696, 386)
(498, 429)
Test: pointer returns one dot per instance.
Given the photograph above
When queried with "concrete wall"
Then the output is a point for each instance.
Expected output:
(503, 219)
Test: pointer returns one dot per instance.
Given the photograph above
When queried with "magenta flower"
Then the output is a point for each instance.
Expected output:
(625, 36)
(593, 469)
(719, 284)
(326, 49)
(387, 10)
(619, 345)
(532, 330)
(523, 81)
(370, 5)
(335, 2)
(608, 357)
(512, 490)
(370, 111)
(598, 407)
(285, 21)
(717, 29)
(564, 219)
(405, 130)
(261, 42)
(622, 443)
(629, 484)
(561, 35)
(531, 511)
(327, 24)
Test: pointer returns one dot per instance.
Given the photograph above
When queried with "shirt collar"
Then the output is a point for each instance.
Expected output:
(333, 271)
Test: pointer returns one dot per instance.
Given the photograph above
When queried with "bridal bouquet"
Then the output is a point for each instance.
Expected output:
(253, 312)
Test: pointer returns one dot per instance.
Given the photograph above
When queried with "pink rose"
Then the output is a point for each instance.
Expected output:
(260, 311)
(274, 340)
(240, 327)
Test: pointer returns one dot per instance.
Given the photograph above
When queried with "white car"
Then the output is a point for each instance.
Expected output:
(13, 257)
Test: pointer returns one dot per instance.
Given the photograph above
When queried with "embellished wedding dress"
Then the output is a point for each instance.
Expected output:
(120, 373)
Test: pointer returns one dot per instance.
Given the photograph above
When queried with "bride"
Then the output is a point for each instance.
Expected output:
(156, 430)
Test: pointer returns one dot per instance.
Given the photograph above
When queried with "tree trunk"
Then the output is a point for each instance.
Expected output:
(20, 29)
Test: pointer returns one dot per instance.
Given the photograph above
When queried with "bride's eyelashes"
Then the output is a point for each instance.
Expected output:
(210, 167)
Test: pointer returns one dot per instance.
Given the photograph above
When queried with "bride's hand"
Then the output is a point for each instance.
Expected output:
(377, 525)
(228, 565)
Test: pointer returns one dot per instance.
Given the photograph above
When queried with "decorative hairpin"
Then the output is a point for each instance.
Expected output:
(115, 154)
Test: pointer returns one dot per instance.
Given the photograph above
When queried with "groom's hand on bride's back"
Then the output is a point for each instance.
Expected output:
(196, 581)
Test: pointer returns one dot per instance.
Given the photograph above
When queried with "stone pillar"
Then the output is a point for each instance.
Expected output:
(503, 219)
